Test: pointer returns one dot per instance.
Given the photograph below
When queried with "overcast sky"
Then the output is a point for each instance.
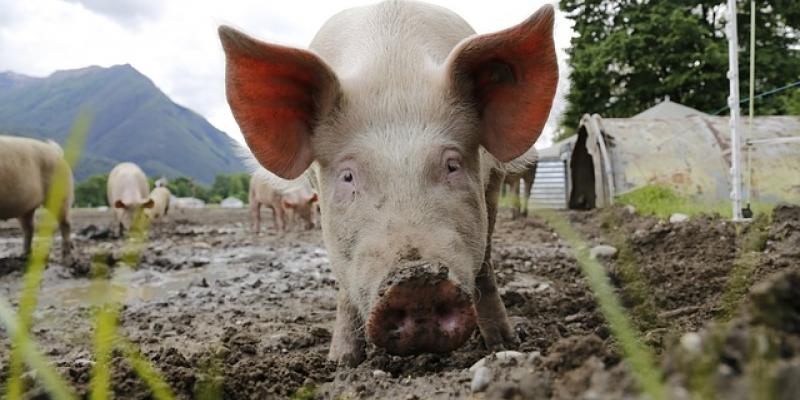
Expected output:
(174, 42)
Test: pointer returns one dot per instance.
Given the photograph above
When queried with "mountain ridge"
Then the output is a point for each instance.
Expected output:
(132, 120)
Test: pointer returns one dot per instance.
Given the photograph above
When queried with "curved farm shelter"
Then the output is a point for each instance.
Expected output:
(690, 154)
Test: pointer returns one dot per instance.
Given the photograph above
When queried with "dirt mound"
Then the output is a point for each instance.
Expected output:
(784, 234)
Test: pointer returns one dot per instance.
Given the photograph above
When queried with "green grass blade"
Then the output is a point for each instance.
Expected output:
(158, 386)
(638, 356)
(105, 330)
(40, 251)
(106, 333)
(49, 377)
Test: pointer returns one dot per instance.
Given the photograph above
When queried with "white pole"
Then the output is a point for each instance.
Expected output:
(749, 186)
(733, 103)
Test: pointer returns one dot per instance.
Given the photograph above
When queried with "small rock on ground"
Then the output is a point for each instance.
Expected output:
(677, 218)
(481, 379)
(603, 251)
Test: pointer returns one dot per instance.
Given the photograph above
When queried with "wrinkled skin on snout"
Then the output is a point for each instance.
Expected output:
(128, 195)
(405, 122)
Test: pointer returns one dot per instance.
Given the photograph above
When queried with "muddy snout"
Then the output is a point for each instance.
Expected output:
(420, 310)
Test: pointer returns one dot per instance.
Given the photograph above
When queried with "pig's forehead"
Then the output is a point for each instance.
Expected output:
(401, 148)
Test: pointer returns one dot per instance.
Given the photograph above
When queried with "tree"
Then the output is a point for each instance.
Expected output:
(630, 54)
(234, 185)
(91, 192)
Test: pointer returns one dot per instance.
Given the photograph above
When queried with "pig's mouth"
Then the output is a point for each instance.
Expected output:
(420, 310)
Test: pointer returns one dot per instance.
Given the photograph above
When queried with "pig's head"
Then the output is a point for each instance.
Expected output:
(130, 211)
(152, 213)
(305, 207)
(398, 163)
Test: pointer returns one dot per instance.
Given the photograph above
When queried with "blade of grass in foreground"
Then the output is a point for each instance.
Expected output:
(105, 329)
(49, 377)
(40, 251)
(638, 356)
(106, 335)
(158, 386)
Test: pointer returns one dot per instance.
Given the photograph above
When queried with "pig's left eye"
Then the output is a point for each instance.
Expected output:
(453, 165)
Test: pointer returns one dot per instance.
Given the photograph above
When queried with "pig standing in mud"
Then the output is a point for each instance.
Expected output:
(298, 201)
(405, 122)
(28, 167)
(128, 194)
(160, 196)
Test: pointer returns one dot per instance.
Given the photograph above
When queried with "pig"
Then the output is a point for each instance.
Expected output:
(405, 122)
(28, 168)
(161, 197)
(512, 180)
(128, 194)
(298, 201)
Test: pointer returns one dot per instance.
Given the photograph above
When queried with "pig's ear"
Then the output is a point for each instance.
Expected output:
(511, 77)
(277, 95)
(286, 203)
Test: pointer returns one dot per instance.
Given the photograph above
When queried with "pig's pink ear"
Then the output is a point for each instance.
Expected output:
(277, 95)
(511, 76)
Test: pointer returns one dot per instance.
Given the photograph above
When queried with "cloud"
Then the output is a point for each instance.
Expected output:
(129, 13)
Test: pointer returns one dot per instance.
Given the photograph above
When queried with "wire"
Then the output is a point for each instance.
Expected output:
(765, 94)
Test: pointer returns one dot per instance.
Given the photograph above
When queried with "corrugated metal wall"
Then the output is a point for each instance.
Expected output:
(550, 188)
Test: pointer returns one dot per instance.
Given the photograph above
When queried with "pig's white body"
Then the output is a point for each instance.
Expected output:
(284, 200)
(27, 169)
(161, 197)
(127, 184)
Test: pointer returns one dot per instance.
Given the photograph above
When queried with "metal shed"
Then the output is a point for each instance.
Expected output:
(551, 183)
(690, 154)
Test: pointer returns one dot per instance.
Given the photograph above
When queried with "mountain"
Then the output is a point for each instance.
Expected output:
(132, 120)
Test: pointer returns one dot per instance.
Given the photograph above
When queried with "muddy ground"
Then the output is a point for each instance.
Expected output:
(223, 313)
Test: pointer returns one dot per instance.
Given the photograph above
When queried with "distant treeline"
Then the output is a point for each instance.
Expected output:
(92, 191)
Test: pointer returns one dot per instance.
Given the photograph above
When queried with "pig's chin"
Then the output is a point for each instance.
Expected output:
(427, 313)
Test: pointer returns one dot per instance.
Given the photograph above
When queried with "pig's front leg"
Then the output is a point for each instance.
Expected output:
(492, 318)
(348, 343)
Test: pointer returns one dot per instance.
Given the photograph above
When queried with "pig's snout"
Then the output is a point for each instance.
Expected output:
(420, 310)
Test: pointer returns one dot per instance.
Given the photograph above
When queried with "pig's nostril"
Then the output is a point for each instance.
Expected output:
(396, 318)
(443, 309)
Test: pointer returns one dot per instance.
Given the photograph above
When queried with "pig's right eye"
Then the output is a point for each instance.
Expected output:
(346, 176)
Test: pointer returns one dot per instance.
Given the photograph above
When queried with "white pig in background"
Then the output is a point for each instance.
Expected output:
(296, 201)
(161, 198)
(128, 194)
(27, 169)
(405, 122)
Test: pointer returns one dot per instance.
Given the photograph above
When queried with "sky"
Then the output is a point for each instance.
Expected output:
(175, 43)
